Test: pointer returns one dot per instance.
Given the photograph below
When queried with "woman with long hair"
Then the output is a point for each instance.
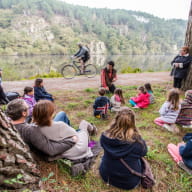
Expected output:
(122, 140)
(58, 130)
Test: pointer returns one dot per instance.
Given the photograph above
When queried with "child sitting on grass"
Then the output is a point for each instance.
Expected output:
(169, 111)
(142, 100)
(182, 153)
(29, 98)
(185, 115)
(150, 91)
(101, 104)
(116, 100)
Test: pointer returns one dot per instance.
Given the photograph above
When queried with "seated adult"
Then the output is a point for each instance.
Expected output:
(17, 110)
(122, 140)
(39, 91)
(42, 116)
(108, 76)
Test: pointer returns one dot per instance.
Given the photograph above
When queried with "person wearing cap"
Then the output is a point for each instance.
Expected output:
(83, 55)
(108, 76)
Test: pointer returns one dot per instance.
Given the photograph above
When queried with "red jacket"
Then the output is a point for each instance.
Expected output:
(142, 100)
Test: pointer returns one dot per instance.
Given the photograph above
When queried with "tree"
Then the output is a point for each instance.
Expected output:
(18, 170)
(187, 83)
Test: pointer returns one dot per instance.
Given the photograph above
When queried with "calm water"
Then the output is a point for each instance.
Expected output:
(16, 68)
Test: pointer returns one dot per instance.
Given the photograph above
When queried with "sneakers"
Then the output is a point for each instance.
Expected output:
(184, 167)
(168, 127)
(187, 126)
(78, 169)
(171, 128)
(136, 107)
(92, 129)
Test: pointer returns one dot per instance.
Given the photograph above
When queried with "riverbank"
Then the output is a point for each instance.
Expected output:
(80, 82)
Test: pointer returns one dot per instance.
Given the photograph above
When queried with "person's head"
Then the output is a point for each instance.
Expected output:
(38, 82)
(28, 91)
(79, 45)
(142, 89)
(110, 65)
(119, 92)
(184, 50)
(102, 91)
(43, 113)
(148, 87)
(173, 98)
(1, 72)
(123, 127)
(188, 96)
(17, 109)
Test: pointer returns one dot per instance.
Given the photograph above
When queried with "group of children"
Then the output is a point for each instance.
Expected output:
(32, 95)
(102, 103)
(173, 111)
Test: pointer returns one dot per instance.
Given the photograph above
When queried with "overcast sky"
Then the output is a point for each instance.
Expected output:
(161, 8)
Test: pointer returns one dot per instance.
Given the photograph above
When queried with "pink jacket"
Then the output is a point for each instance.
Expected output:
(142, 100)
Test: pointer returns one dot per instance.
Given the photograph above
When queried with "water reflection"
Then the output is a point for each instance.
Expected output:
(16, 68)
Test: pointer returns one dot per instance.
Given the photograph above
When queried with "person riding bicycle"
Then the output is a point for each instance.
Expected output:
(83, 55)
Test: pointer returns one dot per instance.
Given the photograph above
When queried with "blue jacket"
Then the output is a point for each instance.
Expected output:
(112, 170)
(99, 103)
(181, 72)
(40, 93)
(186, 150)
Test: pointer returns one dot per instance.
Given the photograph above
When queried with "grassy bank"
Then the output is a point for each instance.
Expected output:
(78, 105)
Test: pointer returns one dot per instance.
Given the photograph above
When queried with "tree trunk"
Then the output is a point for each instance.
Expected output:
(187, 82)
(18, 170)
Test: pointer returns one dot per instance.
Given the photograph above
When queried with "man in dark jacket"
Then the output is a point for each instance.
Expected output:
(17, 110)
(180, 66)
(83, 55)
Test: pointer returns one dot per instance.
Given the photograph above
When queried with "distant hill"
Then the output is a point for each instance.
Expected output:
(54, 27)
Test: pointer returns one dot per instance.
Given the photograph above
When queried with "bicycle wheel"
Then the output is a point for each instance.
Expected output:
(90, 70)
(68, 71)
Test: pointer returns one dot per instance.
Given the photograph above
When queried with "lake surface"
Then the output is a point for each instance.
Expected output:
(17, 68)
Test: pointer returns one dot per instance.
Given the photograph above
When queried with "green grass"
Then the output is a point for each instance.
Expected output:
(169, 177)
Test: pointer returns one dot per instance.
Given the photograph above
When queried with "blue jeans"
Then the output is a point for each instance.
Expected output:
(61, 116)
(132, 103)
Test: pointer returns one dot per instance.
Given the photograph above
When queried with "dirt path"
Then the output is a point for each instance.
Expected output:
(80, 82)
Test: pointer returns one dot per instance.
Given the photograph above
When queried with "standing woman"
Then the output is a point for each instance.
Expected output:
(180, 66)
(122, 140)
(108, 76)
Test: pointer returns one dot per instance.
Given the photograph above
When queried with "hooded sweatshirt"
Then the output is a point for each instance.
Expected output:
(112, 170)
(100, 102)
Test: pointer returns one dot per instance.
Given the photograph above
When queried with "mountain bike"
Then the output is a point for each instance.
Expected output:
(72, 70)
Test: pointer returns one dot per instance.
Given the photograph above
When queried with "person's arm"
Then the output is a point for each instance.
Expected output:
(95, 105)
(80, 53)
(103, 81)
(115, 77)
(137, 99)
(186, 150)
(51, 148)
(163, 109)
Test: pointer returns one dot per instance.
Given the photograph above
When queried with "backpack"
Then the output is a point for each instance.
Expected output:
(12, 95)
(87, 53)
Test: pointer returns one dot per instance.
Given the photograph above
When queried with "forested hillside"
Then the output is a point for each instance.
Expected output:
(50, 26)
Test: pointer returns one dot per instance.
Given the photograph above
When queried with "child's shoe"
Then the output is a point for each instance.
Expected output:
(168, 127)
